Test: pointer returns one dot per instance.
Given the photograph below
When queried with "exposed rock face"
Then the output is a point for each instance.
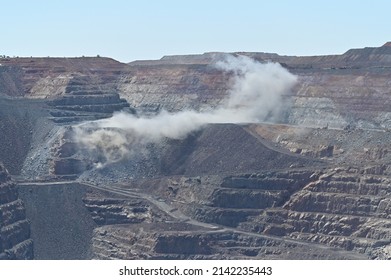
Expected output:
(17, 121)
(339, 209)
(10, 80)
(174, 86)
(87, 98)
(173, 241)
(50, 77)
(61, 226)
(107, 211)
(15, 241)
(157, 230)
(316, 186)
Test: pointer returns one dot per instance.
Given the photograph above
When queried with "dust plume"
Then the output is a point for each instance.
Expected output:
(256, 96)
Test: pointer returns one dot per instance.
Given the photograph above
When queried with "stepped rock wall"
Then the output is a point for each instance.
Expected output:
(15, 238)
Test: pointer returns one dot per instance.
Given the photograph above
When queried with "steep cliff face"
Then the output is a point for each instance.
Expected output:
(15, 241)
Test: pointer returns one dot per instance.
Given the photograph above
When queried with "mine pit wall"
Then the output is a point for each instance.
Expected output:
(61, 225)
(17, 121)
(15, 241)
(242, 196)
(11, 80)
(171, 241)
(343, 210)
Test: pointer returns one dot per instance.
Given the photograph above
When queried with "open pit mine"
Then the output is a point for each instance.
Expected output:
(211, 156)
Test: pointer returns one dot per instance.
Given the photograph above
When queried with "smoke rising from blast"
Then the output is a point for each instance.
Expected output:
(256, 96)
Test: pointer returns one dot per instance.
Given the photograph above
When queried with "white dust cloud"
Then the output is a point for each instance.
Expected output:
(256, 96)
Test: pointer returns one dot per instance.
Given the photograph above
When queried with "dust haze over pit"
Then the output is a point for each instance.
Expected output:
(256, 96)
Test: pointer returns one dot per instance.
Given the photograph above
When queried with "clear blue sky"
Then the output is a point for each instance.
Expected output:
(143, 29)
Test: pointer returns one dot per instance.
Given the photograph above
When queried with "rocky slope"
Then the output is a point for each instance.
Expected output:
(61, 226)
(313, 187)
(15, 241)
